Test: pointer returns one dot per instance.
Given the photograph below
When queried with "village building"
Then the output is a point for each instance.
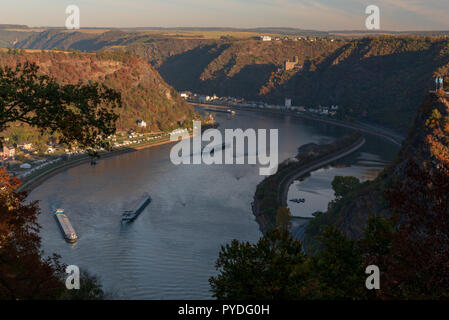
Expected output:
(185, 94)
(141, 124)
(289, 65)
(265, 38)
(26, 146)
(7, 152)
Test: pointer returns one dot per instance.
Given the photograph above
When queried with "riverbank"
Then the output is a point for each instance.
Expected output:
(359, 126)
(272, 192)
(37, 179)
(289, 179)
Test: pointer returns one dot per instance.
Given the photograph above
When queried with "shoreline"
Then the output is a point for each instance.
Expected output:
(366, 128)
(34, 182)
(289, 179)
(41, 177)
(283, 186)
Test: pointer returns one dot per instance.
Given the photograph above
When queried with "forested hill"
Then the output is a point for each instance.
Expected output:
(415, 187)
(145, 95)
(379, 79)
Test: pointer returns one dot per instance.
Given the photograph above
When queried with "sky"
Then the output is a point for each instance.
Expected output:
(323, 15)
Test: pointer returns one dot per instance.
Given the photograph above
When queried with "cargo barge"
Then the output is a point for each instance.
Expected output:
(66, 227)
(136, 209)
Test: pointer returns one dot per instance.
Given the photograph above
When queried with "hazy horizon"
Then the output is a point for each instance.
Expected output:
(320, 15)
(227, 28)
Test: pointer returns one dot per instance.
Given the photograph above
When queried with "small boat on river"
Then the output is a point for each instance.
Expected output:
(66, 227)
(136, 208)
(300, 200)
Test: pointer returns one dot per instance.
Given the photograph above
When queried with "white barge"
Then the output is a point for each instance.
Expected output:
(66, 227)
(136, 209)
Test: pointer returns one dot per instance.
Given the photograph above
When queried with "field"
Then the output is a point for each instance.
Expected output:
(166, 33)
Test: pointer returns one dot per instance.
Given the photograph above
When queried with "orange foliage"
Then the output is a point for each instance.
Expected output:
(136, 80)
(23, 273)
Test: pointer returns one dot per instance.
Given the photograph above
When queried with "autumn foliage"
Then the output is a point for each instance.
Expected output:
(417, 266)
(144, 94)
(23, 272)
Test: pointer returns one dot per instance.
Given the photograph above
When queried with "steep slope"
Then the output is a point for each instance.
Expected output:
(9, 38)
(238, 68)
(373, 79)
(378, 79)
(65, 39)
(424, 154)
(145, 94)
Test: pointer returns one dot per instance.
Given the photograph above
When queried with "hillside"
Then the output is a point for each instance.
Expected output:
(378, 79)
(238, 68)
(9, 38)
(145, 95)
(407, 185)
(373, 79)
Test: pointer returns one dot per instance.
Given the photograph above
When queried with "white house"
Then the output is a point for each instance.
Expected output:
(141, 124)
(26, 146)
(265, 38)
(7, 152)
(185, 94)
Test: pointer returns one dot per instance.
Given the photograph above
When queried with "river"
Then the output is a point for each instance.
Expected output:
(169, 252)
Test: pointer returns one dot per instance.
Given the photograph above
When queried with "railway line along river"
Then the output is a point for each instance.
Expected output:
(169, 251)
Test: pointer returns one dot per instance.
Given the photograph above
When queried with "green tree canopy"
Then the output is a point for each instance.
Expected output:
(265, 270)
(343, 185)
(277, 268)
(283, 219)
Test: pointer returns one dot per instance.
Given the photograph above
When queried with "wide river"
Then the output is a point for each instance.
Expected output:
(169, 252)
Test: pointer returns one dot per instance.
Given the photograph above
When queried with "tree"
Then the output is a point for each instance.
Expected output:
(266, 270)
(338, 268)
(23, 274)
(343, 185)
(277, 268)
(283, 219)
(82, 113)
(417, 264)
(90, 288)
(377, 240)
